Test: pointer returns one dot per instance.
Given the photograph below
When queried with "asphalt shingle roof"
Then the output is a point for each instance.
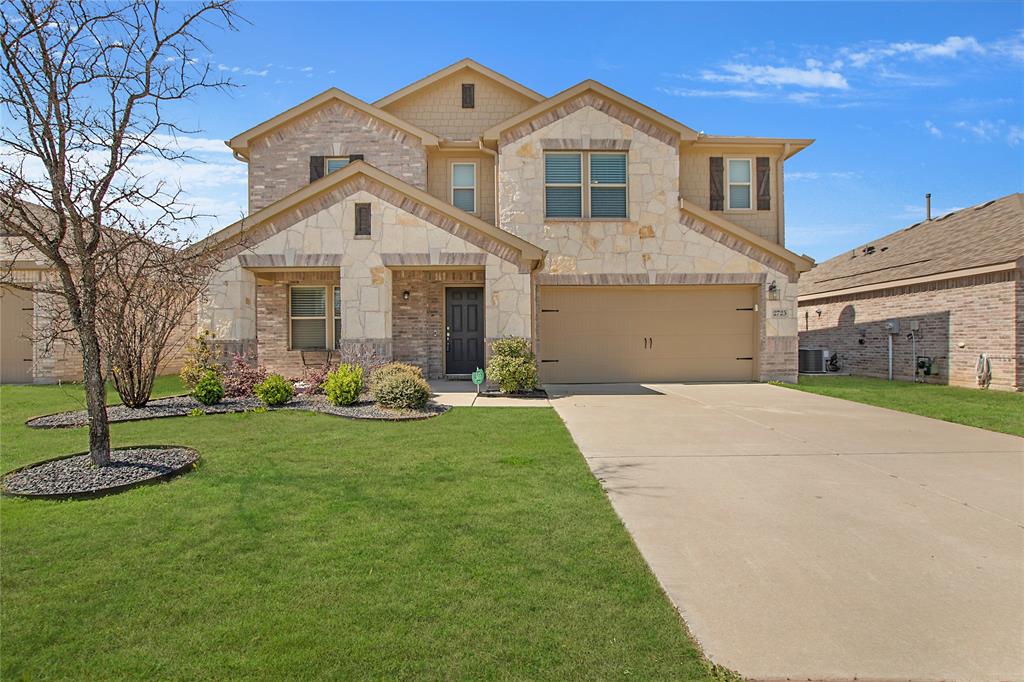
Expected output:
(986, 234)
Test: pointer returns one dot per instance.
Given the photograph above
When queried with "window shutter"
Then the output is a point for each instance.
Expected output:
(316, 168)
(764, 185)
(468, 95)
(362, 219)
(716, 169)
(355, 157)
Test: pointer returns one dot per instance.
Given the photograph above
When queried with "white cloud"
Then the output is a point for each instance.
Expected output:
(1015, 135)
(778, 75)
(254, 72)
(192, 145)
(951, 47)
(983, 129)
(691, 92)
(801, 176)
(225, 67)
(932, 129)
(306, 69)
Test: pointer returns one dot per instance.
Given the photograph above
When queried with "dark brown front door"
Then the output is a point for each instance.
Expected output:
(464, 330)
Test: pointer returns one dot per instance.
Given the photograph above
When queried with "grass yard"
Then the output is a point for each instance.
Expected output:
(476, 545)
(993, 410)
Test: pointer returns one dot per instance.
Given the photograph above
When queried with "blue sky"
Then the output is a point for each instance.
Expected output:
(902, 98)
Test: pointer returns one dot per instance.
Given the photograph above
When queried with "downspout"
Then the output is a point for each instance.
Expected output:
(780, 214)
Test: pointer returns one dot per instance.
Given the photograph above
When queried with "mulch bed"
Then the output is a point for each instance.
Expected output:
(182, 406)
(75, 477)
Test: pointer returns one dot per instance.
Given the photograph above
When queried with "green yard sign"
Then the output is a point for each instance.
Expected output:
(478, 376)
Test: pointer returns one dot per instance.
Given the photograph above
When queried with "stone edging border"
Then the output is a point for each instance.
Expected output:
(103, 492)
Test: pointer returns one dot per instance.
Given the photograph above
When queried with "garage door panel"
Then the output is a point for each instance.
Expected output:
(608, 334)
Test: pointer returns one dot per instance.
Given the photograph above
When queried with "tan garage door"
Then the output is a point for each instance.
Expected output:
(659, 333)
(15, 328)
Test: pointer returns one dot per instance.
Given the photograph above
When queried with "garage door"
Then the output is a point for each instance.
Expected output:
(15, 328)
(660, 333)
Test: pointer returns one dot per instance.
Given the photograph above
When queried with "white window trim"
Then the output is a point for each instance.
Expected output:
(336, 316)
(328, 159)
(581, 184)
(328, 307)
(729, 184)
(453, 187)
(585, 184)
(624, 185)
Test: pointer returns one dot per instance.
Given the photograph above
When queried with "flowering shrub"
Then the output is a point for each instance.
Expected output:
(242, 377)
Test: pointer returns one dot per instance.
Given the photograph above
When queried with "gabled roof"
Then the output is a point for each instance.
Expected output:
(326, 184)
(240, 143)
(454, 68)
(800, 263)
(589, 85)
(983, 236)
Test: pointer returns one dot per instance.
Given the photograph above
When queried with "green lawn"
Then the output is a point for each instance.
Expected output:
(476, 545)
(992, 410)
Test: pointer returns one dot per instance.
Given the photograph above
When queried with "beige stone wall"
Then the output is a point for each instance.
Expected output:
(694, 186)
(438, 108)
(439, 173)
(279, 160)
(657, 244)
(398, 238)
(958, 320)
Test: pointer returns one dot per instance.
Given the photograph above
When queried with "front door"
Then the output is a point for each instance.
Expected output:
(464, 329)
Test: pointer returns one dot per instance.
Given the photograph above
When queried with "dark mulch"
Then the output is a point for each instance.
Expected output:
(77, 476)
(181, 406)
(495, 393)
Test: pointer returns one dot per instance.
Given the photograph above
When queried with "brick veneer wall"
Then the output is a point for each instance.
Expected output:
(983, 313)
(272, 318)
(279, 160)
(417, 325)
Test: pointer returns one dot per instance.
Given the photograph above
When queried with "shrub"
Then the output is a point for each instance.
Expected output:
(385, 372)
(400, 390)
(513, 365)
(209, 390)
(274, 390)
(198, 359)
(314, 378)
(196, 412)
(242, 377)
(344, 385)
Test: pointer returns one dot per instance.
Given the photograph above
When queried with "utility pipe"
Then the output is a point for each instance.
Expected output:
(890, 356)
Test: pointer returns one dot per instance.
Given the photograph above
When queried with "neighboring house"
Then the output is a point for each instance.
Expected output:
(950, 289)
(466, 207)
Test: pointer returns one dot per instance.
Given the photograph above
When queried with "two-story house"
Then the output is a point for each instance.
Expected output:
(465, 207)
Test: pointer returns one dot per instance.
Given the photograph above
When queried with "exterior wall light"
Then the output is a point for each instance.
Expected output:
(405, 295)
(773, 291)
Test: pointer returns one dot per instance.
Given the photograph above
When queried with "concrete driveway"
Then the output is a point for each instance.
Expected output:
(809, 537)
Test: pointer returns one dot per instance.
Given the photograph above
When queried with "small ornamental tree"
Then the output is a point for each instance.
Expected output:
(85, 92)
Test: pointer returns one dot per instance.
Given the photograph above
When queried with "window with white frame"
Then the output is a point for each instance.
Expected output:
(464, 186)
(604, 174)
(308, 317)
(563, 185)
(335, 163)
(337, 317)
(740, 184)
(607, 185)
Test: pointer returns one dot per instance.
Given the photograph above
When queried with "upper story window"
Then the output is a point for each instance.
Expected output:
(464, 186)
(604, 174)
(468, 95)
(333, 163)
(738, 188)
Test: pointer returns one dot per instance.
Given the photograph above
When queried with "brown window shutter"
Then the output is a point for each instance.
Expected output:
(362, 219)
(468, 95)
(764, 185)
(716, 168)
(355, 157)
(316, 168)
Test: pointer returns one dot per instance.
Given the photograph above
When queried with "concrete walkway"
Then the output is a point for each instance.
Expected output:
(463, 394)
(808, 537)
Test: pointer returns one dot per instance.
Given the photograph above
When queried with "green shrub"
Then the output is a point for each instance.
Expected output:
(198, 359)
(196, 412)
(344, 385)
(384, 372)
(400, 390)
(274, 390)
(513, 365)
(209, 390)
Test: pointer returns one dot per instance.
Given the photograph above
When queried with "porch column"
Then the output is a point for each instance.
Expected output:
(508, 300)
(365, 309)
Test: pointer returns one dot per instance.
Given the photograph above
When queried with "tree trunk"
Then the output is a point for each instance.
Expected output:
(96, 399)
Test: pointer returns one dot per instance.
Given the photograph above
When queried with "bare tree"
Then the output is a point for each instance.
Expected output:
(86, 88)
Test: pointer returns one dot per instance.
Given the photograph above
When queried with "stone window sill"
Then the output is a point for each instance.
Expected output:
(362, 236)
(587, 220)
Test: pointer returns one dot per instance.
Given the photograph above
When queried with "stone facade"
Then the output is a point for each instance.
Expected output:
(279, 159)
(655, 243)
(438, 107)
(958, 320)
